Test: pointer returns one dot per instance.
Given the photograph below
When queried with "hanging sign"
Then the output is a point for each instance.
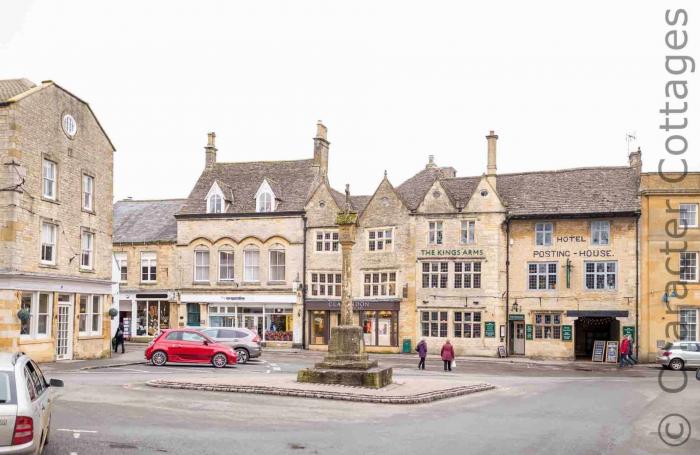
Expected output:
(628, 330)
(611, 351)
(598, 351)
(566, 333)
(490, 329)
(528, 332)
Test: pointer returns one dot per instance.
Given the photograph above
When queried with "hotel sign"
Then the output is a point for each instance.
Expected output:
(455, 252)
(568, 253)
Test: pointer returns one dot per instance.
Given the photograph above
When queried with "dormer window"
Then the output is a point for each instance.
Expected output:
(215, 204)
(265, 198)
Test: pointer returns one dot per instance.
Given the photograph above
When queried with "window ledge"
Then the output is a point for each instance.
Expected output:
(29, 340)
(201, 283)
(90, 337)
(250, 283)
(82, 270)
(51, 201)
(276, 283)
(89, 212)
(149, 283)
(45, 265)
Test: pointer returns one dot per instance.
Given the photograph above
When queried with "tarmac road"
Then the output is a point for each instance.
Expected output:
(541, 409)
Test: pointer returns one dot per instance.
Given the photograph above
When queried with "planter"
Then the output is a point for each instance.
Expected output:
(23, 315)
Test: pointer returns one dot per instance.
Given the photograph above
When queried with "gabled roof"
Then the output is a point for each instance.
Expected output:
(358, 203)
(145, 221)
(291, 182)
(595, 190)
(10, 88)
(413, 190)
(460, 189)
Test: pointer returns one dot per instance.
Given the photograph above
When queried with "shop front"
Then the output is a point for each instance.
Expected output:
(271, 316)
(592, 326)
(145, 314)
(378, 319)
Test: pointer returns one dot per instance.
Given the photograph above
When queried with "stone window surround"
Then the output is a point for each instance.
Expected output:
(226, 250)
(332, 242)
(86, 173)
(387, 284)
(474, 322)
(538, 273)
(46, 157)
(470, 232)
(596, 273)
(275, 249)
(542, 327)
(150, 259)
(542, 227)
(694, 210)
(436, 232)
(694, 323)
(92, 235)
(694, 267)
(122, 258)
(54, 260)
(34, 316)
(596, 232)
(335, 284)
(387, 242)
(89, 315)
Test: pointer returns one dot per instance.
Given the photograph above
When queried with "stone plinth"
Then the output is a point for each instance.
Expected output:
(375, 378)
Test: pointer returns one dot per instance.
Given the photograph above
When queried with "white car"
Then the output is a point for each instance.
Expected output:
(26, 399)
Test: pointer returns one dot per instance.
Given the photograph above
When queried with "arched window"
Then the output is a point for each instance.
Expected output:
(201, 264)
(277, 263)
(215, 204)
(251, 263)
(226, 264)
(265, 202)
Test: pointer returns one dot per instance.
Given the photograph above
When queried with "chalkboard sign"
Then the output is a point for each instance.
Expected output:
(611, 352)
(598, 351)
(490, 329)
(502, 351)
(566, 333)
(528, 332)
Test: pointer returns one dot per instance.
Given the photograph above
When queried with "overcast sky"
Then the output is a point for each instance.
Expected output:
(394, 81)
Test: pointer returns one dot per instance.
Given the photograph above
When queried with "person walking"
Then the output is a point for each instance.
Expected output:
(422, 350)
(448, 355)
(625, 352)
(630, 356)
(119, 338)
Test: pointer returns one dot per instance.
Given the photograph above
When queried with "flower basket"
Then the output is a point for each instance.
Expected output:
(113, 312)
(23, 314)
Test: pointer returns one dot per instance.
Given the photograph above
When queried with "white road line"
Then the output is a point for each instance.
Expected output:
(76, 431)
(76, 435)
(277, 368)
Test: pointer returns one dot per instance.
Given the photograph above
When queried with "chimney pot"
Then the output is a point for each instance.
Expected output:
(431, 162)
(210, 150)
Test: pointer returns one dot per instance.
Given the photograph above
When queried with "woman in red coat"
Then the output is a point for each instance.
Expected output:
(448, 355)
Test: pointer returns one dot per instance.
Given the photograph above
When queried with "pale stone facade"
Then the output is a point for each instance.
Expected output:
(55, 242)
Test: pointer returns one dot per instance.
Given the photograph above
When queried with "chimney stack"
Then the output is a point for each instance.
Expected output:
(210, 150)
(321, 148)
(491, 163)
(636, 159)
(431, 162)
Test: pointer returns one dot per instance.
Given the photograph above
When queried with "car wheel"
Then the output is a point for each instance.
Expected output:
(676, 364)
(159, 358)
(242, 355)
(219, 360)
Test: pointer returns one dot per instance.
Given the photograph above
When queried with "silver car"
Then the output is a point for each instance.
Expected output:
(245, 342)
(26, 399)
(679, 354)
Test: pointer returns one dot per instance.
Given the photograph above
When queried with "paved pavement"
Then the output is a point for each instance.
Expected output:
(539, 409)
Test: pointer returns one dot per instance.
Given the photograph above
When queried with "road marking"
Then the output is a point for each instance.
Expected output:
(277, 368)
(76, 431)
(76, 435)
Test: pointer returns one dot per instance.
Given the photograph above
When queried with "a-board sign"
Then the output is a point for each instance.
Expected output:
(598, 351)
(501, 351)
(528, 331)
(611, 351)
(490, 329)
(566, 333)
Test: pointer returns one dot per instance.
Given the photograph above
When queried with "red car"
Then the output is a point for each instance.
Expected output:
(188, 346)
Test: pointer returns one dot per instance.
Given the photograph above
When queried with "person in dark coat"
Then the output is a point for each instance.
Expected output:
(422, 349)
(119, 338)
(448, 355)
(625, 352)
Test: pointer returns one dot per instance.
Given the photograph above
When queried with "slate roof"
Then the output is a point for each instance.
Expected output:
(595, 190)
(413, 190)
(146, 221)
(358, 203)
(291, 181)
(460, 189)
(13, 87)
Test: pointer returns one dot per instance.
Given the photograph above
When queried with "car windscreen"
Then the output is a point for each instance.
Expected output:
(7, 388)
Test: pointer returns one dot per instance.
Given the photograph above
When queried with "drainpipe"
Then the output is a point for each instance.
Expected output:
(507, 284)
(303, 290)
(636, 287)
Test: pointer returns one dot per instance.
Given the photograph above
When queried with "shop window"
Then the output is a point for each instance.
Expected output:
(251, 264)
(380, 239)
(435, 232)
(542, 275)
(467, 232)
(688, 271)
(326, 284)
(467, 324)
(379, 328)
(601, 275)
(547, 326)
(380, 284)
(90, 319)
(40, 305)
(277, 263)
(468, 275)
(688, 215)
(434, 324)
(158, 317)
(600, 233)
(688, 318)
(222, 316)
(193, 317)
(319, 327)
(148, 267)
(327, 241)
(543, 234)
(435, 274)
(201, 265)
(279, 325)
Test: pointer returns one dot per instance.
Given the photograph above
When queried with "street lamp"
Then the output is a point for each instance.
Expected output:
(516, 308)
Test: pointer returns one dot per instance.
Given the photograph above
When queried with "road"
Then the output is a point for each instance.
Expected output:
(534, 410)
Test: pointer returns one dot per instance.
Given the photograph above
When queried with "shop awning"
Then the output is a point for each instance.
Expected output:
(598, 314)
(357, 305)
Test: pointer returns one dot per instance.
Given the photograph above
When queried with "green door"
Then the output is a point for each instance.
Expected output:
(193, 314)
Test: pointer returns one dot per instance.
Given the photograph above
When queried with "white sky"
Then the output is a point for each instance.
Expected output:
(394, 81)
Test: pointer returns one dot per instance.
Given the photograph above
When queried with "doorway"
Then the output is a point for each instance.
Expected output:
(589, 329)
(518, 340)
(64, 328)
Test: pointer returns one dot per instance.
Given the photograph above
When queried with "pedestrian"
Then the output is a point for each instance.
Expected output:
(119, 338)
(631, 353)
(448, 355)
(625, 352)
(422, 350)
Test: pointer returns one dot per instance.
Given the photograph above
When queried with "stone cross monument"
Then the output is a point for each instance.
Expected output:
(347, 362)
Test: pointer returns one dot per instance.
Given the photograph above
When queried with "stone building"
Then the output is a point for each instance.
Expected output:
(670, 242)
(145, 234)
(55, 223)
